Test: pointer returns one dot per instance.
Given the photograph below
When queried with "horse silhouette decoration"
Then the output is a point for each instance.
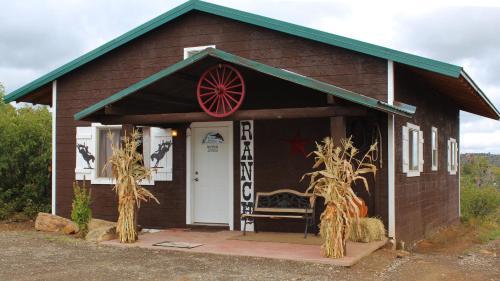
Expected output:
(86, 155)
(160, 153)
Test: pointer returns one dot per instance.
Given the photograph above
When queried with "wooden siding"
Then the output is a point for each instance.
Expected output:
(163, 47)
(429, 201)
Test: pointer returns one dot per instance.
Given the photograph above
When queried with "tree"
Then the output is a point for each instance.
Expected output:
(25, 154)
(477, 171)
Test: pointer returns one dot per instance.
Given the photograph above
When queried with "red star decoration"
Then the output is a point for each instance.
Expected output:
(297, 145)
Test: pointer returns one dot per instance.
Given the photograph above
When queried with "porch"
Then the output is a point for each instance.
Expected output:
(286, 246)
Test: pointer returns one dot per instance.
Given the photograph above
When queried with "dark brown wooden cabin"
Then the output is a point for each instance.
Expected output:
(301, 85)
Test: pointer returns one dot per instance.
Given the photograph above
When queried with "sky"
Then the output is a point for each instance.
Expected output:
(37, 36)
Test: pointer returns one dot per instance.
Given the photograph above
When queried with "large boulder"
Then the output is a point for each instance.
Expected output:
(71, 228)
(51, 223)
(103, 233)
(98, 223)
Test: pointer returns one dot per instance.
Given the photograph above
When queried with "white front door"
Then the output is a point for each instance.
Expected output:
(211, 172)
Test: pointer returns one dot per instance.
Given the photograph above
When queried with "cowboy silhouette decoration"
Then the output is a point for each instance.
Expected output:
(86, 155)
(160, 153)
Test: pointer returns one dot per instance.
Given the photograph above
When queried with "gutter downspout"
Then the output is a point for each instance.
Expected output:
(391, 154)
(53, 169)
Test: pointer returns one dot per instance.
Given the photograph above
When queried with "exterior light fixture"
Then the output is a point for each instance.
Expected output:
(174, 133)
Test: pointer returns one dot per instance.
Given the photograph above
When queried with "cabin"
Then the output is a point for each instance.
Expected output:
(231, 103)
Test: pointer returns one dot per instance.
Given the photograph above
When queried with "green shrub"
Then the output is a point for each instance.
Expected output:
(31, 209)
(81, 212)
(25, 155)
(479, 203)
(6, 210)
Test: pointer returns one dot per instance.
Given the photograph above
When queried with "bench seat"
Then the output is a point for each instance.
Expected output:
(281, 204)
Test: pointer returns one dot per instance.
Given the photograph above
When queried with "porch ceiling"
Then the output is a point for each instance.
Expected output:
(173, 89)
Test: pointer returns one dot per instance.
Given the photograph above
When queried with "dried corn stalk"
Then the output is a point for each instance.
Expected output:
(128, 171)
(340, 167)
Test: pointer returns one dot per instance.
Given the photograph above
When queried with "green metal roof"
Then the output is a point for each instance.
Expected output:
(281, 26)
(400, 109)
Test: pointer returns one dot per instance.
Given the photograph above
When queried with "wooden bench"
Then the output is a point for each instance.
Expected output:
(282, 204)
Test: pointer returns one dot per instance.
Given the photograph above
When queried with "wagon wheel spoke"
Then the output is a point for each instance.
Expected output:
(213, 79)
(213, 103)
(208, 93)
(228, 104)
(226, 80)
(222, 77)
(233, 86)
(233, 80)
(217, 74)
(209, 99)
(209, 82)
(233, 99)
(234, 93)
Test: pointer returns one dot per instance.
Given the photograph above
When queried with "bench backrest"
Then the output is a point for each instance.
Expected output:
(283, 201)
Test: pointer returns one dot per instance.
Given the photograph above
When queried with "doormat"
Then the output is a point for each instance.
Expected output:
(175, 244)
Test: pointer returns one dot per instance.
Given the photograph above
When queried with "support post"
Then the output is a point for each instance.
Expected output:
(54, 141)
(337, 129)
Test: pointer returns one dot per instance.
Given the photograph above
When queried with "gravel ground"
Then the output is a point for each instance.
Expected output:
(30, 255)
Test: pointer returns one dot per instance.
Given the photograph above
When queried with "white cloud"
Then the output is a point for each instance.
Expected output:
(37, 36)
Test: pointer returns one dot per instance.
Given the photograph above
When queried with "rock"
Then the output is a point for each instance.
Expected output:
(71, 228)
(49, 222)
(401, 254)
(103, 233)
(391, 244)
(98, 223)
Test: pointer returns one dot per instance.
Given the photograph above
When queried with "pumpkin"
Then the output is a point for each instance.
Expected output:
(363, 208)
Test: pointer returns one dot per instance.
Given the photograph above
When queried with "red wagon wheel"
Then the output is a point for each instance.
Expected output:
(221, 90)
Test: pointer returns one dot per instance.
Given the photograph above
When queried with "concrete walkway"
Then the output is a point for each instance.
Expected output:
(221, 243)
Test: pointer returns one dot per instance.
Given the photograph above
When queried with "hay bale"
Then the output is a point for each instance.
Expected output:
(367, 230)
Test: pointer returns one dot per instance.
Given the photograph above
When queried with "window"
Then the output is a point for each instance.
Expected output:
(412, 150)
(107, 137)
(434, 149)
(191, 51)
(452, 156)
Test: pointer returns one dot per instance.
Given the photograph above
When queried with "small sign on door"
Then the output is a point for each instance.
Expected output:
(212, 140)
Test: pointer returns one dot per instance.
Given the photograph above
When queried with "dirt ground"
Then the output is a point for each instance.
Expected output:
(29, 255)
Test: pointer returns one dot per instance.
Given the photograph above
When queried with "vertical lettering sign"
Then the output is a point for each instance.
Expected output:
(247, 169)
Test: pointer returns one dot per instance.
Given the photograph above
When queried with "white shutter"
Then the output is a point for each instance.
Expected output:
(161, 153)
(85, 153)
(421, 151)
(406, 149)
(449, 155)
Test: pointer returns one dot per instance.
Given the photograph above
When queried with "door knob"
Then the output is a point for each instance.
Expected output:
(196, 179)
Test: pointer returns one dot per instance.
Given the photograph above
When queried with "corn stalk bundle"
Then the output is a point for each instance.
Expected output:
(128, 171)
(339, 168)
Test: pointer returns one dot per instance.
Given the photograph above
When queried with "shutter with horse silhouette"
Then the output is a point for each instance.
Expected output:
(85, 153)
(161, 153)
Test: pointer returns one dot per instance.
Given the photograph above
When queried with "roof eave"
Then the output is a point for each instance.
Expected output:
(480, 93)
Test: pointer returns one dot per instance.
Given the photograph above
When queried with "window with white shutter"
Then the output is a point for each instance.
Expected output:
(452, 156)
(93, 150)
(413, 148)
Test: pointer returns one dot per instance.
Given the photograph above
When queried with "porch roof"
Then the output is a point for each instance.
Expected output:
(295, 78)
